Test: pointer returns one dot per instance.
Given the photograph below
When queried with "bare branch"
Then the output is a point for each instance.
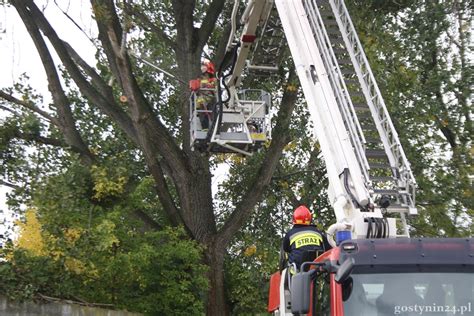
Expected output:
(166, 199)
(75, 23)
(10, 185)
(9, 110)
(54, 299)
(96, 80)
(108, 25)
(209, 22)
(453, 40)
(62, 103)
(29, 106)
(31, 137)
(43, 140)
(149, 222)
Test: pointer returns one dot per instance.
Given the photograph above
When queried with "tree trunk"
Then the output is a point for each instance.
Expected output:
(216, 302)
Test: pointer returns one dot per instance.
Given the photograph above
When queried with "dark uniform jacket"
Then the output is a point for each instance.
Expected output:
(303, 238)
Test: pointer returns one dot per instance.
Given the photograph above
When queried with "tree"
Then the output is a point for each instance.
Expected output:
(182, 177)
(102, 259)
(122, 144)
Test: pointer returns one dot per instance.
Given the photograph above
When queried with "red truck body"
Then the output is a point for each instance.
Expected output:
(429, 275)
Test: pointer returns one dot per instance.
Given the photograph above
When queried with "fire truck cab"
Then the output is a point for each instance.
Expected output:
(403, 276)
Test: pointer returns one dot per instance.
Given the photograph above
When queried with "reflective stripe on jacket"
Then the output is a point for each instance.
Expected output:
(302, 238)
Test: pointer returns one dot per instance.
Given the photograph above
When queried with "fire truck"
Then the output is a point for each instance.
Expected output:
(374, 267)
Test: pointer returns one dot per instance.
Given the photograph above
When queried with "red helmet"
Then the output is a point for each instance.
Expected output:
(302, 216)
(208, 67)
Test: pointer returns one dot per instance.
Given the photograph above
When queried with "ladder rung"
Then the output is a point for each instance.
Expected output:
(356, 93)
(375, 165)
(387, 191)
(376, 148)
(351, 81)
(382, 178)
(364, 116)
(369, 127)
(398, 208)
(330, 22)
(360, 106)
(333, 31)
(336, 40)
(344, 61)
(375, 153)
(339, 50)
(263, 68)
(326, 13)
(348, 71)
(372, 140)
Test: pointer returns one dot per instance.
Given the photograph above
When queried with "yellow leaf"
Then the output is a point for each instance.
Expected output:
(30, 237)
(106, 185)
(72, 235)
(250, 251)
(74, 265)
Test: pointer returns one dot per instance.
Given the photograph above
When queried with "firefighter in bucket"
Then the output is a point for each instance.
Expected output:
(205, 89)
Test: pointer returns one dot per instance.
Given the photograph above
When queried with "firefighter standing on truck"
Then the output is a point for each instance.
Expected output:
(303, 237)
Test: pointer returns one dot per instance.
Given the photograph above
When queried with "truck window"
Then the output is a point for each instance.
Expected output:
(321, 293)
(411, 294)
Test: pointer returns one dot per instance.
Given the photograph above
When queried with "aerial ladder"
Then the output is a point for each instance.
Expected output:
(369, 174)
(368, 171)
(371, 185)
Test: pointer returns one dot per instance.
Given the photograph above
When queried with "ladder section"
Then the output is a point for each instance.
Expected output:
(314, 62)
(328, 47)
(270, 45)
(385, 166)
(390, 173)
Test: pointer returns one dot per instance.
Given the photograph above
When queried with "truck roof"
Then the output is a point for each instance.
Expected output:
(409, 254)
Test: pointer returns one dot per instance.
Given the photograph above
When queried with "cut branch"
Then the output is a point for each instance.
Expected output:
(99, 7)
